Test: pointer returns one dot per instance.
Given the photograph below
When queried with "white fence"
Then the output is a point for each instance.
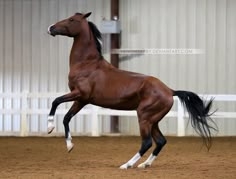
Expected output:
(23, 111)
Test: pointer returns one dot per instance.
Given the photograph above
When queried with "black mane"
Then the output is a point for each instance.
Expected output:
(97, 36)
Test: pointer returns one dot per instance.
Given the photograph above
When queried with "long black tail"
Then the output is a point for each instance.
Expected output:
(199, 114)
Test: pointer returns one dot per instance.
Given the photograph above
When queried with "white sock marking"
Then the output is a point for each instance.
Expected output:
(148, 162)
(51, 125)
(131, 162)
(69, 144)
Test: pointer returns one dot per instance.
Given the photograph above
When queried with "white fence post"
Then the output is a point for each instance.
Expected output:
(24, 128)
(94, 119)
(180, 119)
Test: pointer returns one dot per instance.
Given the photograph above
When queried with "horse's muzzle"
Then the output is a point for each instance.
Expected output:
(51, 30)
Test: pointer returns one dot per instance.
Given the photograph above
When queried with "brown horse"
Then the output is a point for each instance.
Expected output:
(92, 80)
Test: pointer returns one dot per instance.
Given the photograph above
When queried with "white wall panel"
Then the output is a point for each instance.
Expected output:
(8, 39)
(33, 61)
(1, 58)
(182, 24)
(231, 56)
(201, 24)
(17, 65)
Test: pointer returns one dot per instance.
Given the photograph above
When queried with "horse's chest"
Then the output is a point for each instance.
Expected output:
(81, 83)
(77, 76)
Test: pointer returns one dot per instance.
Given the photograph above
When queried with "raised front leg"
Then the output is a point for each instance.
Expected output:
(73, 96)
(75, 108)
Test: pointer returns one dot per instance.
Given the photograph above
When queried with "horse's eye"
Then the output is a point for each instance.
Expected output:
(71, 19)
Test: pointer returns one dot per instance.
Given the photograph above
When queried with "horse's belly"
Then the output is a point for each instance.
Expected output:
(120, 104)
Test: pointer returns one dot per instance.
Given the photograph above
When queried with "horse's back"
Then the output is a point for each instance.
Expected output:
(115, 88)
(121, 89)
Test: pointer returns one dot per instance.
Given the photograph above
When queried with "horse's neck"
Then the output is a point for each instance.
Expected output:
(83, 49)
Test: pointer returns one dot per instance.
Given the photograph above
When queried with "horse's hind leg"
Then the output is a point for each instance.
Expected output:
(160, 142)
(145, 125)
(145, 130)
(75, 108)
(156, 112)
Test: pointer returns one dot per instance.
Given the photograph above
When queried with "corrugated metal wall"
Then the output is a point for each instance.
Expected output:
(200, 24)
(31, 60)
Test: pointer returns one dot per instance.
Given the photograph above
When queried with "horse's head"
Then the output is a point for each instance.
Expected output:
(70, 27)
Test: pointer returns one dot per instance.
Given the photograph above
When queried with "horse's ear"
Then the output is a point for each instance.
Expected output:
(87, 14)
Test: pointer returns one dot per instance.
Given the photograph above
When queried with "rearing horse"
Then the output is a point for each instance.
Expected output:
(92, 80)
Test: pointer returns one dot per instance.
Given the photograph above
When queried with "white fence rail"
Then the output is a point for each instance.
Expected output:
(24, 110)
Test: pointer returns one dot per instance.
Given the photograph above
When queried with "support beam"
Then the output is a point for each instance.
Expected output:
(115, 57)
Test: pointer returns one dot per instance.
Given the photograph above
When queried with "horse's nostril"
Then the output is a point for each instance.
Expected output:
(52, 28)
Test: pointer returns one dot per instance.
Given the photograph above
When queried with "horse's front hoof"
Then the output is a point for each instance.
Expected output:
(50, 129)
(50, 124)
(70, 147)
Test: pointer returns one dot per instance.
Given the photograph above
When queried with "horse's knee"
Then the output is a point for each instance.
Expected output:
(146, 144)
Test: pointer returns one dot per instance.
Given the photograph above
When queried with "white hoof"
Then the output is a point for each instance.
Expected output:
(51, 126)
(50, 129)
(70, 147)
(126, 166)
(144, 165)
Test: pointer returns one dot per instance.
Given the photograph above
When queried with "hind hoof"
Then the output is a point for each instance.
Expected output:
(144, 165)
(125, 166)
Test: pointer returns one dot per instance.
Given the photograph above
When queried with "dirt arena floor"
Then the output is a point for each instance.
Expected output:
(101, 157)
